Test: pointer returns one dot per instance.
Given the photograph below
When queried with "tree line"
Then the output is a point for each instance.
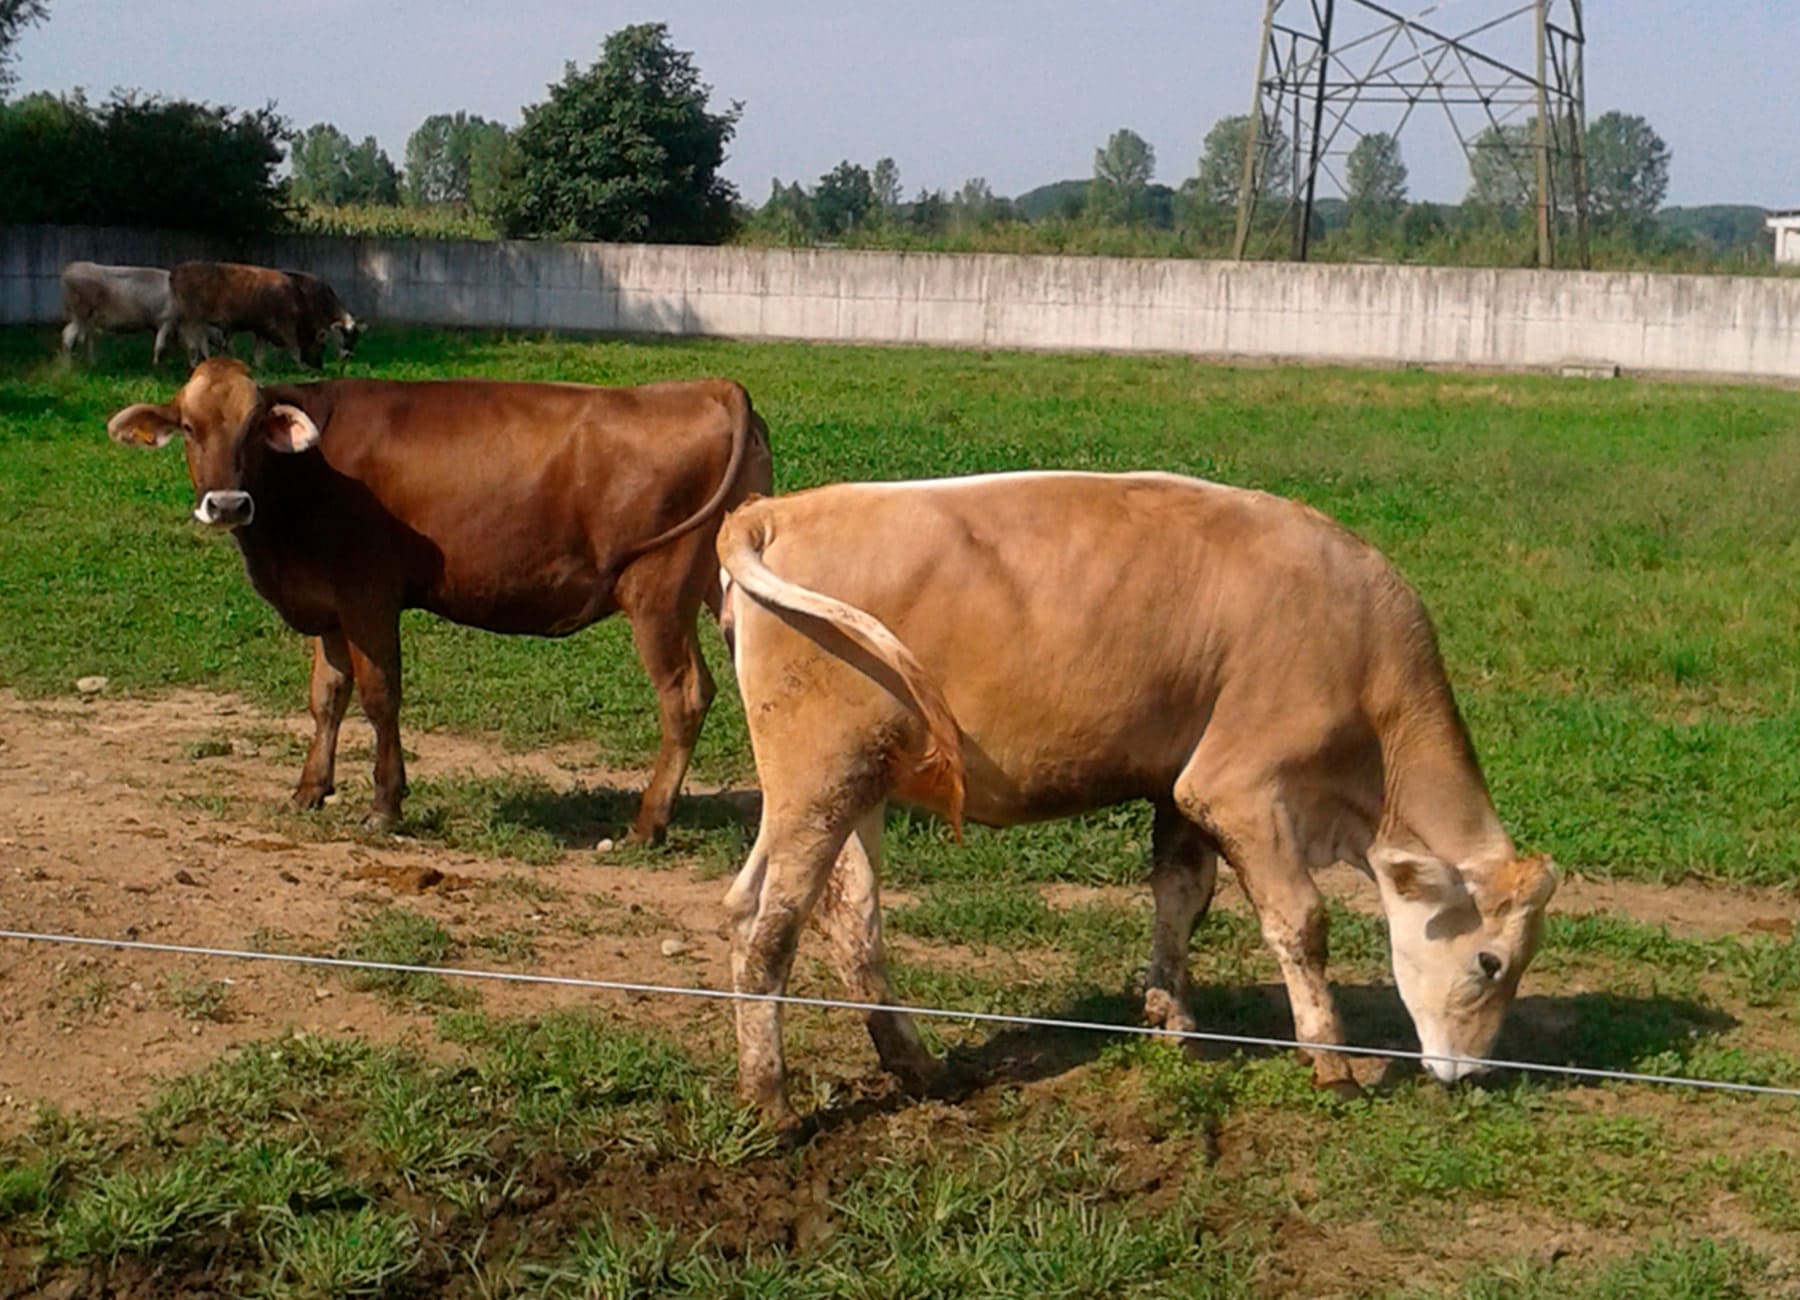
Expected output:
(1627, 166)
(630, 148)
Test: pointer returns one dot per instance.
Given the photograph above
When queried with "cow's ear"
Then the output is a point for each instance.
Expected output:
(144, 425)
(289, 429)
(1417, 877)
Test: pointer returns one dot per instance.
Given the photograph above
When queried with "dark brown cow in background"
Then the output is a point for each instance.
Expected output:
(292, 310)
(514, 507)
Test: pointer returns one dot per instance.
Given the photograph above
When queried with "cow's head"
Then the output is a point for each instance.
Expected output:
(346, 332)
(227, 426)
(1461, 940)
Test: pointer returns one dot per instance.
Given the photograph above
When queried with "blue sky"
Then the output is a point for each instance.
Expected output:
(1018, 91)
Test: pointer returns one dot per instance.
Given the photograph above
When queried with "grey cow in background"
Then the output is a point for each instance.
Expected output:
(122, 299)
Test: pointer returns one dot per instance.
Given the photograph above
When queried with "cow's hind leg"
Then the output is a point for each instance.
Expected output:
(71, 338)
(768, 903)
(849, 914)
(332, 680)
(374, 642)
(1184, 869)
(1259, 841)
(668, 643)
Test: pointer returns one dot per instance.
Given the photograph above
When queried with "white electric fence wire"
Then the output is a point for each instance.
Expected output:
(942, 1013)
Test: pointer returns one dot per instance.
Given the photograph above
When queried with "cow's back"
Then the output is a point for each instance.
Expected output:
(1087, 628)
(508, 506)
(115, 297)
(229, 294)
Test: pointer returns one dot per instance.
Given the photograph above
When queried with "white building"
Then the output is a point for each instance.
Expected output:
(1786, 226)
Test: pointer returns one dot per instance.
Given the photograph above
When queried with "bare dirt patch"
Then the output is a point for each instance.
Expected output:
(101, 834)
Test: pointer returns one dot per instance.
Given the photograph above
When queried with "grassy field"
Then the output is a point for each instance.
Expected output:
(1614, 568)
(1615, 571)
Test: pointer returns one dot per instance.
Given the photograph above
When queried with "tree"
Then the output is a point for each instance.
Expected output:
(886, 180)
(787, 217)
(930, 213)
(370, 175)
(1627, 168)
(843, 199)
(329, 169)
(15, 17)
(1375, 182)
(973, 205)
(457, 158)
(1503, 168)
(1121, 183)
(1221, 172)
(626, 150)
(69, 162)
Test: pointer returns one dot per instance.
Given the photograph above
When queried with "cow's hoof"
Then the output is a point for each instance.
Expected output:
(779, 1118)
(382, 821)
(925, 1077)
(1345, 1089)
(1162, 1011)
(310, 797)
(649, 837)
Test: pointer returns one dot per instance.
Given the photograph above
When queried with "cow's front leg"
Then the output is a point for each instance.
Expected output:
(332, 681)
(375, 661)
(1184, 870)
(1294, 925)
(1260, 844)
(849, 914)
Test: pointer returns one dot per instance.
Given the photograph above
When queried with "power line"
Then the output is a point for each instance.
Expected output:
(941, 1013)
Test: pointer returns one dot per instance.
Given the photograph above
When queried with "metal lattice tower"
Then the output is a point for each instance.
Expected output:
(1506, 74)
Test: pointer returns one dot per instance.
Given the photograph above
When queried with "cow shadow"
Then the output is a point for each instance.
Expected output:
(582, 817)
(1599, 1031)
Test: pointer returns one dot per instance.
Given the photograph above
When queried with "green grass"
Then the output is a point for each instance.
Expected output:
(1613, 568)
(398, 937)
(570, 1156)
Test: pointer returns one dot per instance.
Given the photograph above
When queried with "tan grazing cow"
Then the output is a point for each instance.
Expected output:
(1016, 647)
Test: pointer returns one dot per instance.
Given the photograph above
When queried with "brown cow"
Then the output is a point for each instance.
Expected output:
(532, 508)
(292, 310)
(1023, 646)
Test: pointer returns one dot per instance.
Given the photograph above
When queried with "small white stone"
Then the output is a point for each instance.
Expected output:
(90, 685)
(604, 846)
(675, 947)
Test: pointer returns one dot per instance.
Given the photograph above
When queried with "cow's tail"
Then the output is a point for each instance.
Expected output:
(745, 533)
(746, 424)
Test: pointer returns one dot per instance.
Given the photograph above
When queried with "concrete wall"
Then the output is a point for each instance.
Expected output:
(1723, 325)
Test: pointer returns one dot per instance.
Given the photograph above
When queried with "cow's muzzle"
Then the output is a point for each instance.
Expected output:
(225, 509)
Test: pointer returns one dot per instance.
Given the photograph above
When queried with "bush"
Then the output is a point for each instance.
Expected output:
(137, 161)
(380, 221)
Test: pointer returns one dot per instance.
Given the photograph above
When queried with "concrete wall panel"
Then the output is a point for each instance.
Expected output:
(1740, 326)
